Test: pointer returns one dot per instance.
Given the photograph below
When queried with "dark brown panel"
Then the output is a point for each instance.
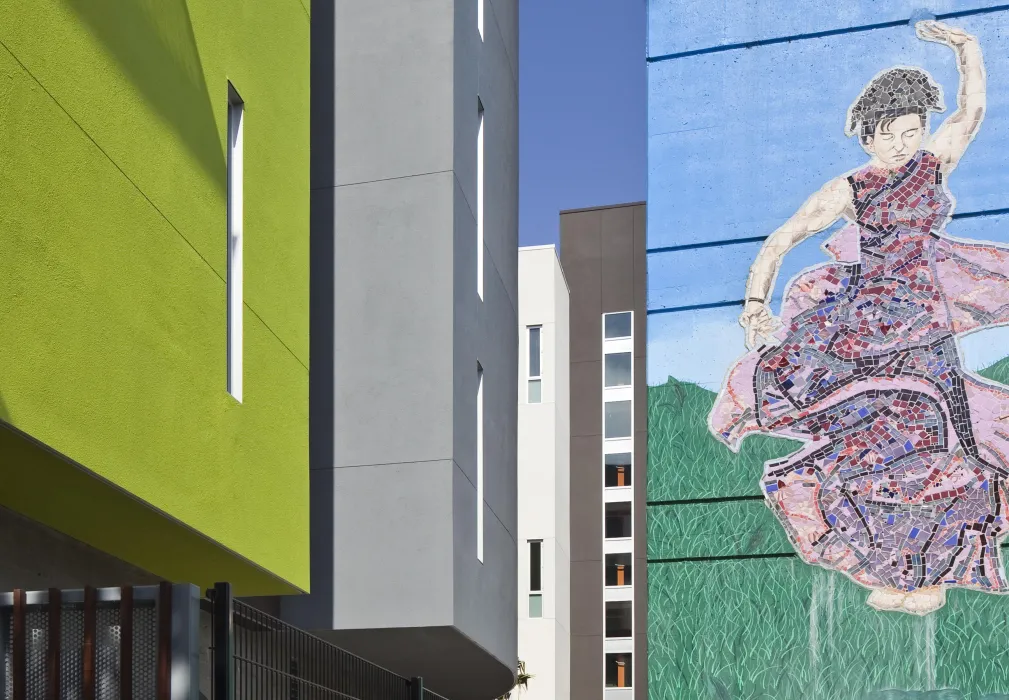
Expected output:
(580, 258)
(90, 628)
(164, 690)
(126, 642)
(19, 679)
(55, 606)
(640, 665)
(617, 241)
(640, 282)
(586, 598)
(586, 668)
(587, 399)
(586, 499)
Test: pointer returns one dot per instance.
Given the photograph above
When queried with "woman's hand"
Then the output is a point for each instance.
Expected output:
(930, 30)
(758, 322)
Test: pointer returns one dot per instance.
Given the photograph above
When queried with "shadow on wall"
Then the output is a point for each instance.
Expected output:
(154, 43)
(4, 417)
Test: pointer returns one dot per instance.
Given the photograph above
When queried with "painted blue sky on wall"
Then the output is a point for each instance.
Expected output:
(740, 137)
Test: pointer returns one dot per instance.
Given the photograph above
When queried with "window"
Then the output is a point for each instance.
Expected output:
(479, 200)
(236, 110)
(617, 325)
(479, 463)
(535, 566)
(535, 355)
(479, 17)
(618, 419)
(535, 578)
(618, 569)
(618, 369)
(618, 520)
(618, 671)
(619, 619)
(618, 470)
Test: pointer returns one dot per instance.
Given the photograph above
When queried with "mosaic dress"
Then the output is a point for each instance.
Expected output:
(902, 480)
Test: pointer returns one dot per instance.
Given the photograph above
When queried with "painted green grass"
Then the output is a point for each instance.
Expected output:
(779, 629)
(685, 461)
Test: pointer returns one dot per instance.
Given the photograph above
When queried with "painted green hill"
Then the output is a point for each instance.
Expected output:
(685, 461)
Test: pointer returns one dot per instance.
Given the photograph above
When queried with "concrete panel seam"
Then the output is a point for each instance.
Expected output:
(381, 179)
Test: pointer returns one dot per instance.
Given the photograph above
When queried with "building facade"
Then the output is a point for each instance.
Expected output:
(154, 295)
(603, 257)
(813, 532)
(414, 332)
(544, 479)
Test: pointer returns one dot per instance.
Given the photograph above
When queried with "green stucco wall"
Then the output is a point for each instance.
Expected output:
(113, 268)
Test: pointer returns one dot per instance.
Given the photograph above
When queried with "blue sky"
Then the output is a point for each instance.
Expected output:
(582, 108)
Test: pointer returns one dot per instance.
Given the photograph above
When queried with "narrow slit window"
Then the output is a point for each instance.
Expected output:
(535, 578)
(479, 17)
(479, 463)
(236, 112)
(479, 202)
(535, 566)
(535, 355)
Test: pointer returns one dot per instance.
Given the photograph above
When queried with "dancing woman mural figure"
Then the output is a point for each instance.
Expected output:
(901, 483)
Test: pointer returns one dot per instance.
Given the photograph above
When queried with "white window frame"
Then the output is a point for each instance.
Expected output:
(235, 205)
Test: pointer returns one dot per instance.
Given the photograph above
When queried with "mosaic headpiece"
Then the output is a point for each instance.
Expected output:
(893, 93)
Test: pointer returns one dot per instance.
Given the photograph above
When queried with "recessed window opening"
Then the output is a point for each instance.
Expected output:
(617, 369)
(618, 569)
(617, 325)
(617, 419)
(535, 361)
(618, 671)
(479, 463)
(479, 200)
(535, 578)
(618, 470)
(236, 112)
(618, 520)
(619, 619)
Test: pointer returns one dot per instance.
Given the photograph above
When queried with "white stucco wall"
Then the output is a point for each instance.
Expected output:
(543, 476)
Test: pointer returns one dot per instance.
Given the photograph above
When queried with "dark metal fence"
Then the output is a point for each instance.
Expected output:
(256, 655)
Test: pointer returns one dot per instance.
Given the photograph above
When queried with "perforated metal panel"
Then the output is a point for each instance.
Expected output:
(145, 652)
(107, 638)
(71, 651)
(8, 655)
(36, 639)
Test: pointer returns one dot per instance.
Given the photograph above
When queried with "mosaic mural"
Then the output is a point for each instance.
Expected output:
(901, 479)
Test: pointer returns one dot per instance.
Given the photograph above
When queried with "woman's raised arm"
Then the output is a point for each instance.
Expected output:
(952, 138)
(819, 211)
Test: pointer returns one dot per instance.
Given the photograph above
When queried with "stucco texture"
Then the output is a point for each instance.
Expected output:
(112, 280)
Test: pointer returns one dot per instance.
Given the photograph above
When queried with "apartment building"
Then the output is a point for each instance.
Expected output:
(414, 339)
(154, 295)
(544, 486)
(603, 257)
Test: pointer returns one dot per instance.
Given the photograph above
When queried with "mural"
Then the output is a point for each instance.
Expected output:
(900, 482)
(828, 364)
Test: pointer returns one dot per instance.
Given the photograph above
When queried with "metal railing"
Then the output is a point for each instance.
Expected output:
(256, 655)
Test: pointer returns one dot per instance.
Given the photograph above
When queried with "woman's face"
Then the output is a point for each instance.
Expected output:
(896, 141)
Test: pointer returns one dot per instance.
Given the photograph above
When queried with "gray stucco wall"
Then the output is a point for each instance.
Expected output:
(398, 331)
